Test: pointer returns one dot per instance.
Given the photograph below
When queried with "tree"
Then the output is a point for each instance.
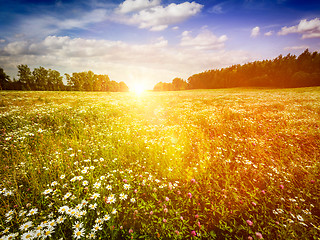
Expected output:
(55, 82)
(40, 76)
(179, 84)
(123, 87)
(4, 80)
(25, 77)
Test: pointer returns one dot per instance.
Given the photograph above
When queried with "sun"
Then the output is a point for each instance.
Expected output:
(138, 89)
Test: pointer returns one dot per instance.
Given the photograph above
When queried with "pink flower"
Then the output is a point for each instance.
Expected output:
(189, 195)
(167, 199)
(193, 180)
(125, 180)
(263, 191)
(164, 220)
(130, 231)
(177, 232)
(250, 238)
(193, 233)
(249, 222)
(151, 212)
(196, 216)
(135, 191)
(259, 235)
(181, 218)
(312, 181)
(254, 204)
(199, 225)
(165, 210)
(281, 186)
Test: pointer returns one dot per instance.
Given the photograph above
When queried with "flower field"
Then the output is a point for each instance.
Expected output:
(205, 164)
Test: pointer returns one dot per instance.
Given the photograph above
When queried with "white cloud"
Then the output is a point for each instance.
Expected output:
(293, 48)
(136, 5)
(149, 63)
(308, 29)
(158, 18)
(203, 41)
(270, 33)
(255, 32)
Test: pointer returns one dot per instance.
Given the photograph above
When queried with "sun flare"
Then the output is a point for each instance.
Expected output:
(138, 89)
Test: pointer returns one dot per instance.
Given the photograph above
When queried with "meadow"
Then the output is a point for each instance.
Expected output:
(204, 164)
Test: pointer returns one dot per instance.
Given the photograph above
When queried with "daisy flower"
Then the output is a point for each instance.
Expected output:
(63, 209)
(123, 196)
(95, 196)
(78, 233)
(106, 217)
(126, 186)
(27, 235)
(26, 225)
(96, 227)
(114, 211)
(33, 211)
(77, 225)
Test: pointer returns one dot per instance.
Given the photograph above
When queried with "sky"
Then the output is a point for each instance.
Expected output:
(143, 42)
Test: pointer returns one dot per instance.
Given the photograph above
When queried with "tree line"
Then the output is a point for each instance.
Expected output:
(281, 72)
(42, 79)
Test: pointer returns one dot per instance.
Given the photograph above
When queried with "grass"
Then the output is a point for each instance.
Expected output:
(207, 164)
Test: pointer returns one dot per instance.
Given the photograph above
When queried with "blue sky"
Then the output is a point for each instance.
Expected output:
(148, 41)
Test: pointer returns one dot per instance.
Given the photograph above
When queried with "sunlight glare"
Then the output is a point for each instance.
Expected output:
(138, 89)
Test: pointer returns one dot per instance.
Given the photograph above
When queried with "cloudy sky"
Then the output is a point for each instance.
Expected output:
(148, 41)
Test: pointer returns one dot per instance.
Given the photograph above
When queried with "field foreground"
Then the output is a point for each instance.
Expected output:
(216, 164)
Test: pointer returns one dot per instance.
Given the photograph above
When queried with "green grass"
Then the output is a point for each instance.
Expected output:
(218, 164)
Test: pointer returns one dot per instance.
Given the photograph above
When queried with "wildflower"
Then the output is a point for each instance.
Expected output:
(300, 218)
(97, 185)
(114, 211)
(259, 235)
(126, 186)
(132, 200)
(93, 206)
(98, 220)
(123, 196)
(85, 183)
(47, 232)
(109, 187)
(33, 211)
(78, 233)
(250, 223)
(63, 209)
(196, 216)
(254, 204)
(77, 225)
(151, 212)
(125, 180)
(26, 225)
(66, 196)
(27, 235)
(95, 196)
(193, 180)
(281, 186)
(60, 219)
(130, 231)
(189, 195)
(47, 191)
(164, 220)
(193, 233)
(165, 210)
(106, 217)
(92, 235)
(96, 227)
(6, 230)
(176, 232)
